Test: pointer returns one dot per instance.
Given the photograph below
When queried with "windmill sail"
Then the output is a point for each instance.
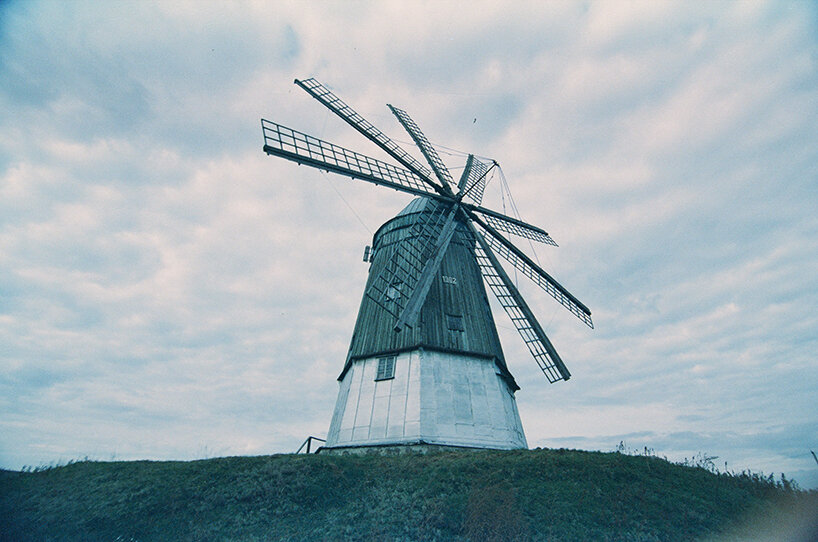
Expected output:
(305, 149)
(511, 225)
(425, 147)
(337, 106)
(521, 316)
(411, 312)
(473, 181)
(395, 284)
(542, 279)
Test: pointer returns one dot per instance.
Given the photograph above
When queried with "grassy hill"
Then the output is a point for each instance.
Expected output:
(462, 495)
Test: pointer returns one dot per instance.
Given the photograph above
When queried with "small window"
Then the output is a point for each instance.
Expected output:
(455, 322)
(386, 368)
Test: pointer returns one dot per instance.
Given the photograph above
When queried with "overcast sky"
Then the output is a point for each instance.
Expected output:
(168, 291)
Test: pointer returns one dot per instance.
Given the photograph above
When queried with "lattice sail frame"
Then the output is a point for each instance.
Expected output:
(519, 229)
(517, 310)
(429, 152)
(396, 282)
(305, 149)
(473, 182)
(336, 105)
(542, 279)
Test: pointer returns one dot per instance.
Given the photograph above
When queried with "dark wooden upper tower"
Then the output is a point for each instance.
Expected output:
(455, 317)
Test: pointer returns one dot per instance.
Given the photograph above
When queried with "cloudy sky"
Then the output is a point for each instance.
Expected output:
(168, 291)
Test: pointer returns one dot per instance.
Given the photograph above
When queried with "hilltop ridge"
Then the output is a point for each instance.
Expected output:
(450, 495)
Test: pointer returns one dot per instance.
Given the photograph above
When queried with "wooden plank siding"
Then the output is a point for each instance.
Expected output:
(462, 293)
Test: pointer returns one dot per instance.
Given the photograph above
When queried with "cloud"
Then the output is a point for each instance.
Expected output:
(168, 291)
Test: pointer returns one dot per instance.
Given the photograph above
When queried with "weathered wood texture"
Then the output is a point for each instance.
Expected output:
(457, 290)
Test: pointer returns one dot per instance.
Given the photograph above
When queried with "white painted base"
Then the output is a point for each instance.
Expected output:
(435, 398)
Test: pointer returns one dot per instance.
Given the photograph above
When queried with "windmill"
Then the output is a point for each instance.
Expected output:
(425, 365)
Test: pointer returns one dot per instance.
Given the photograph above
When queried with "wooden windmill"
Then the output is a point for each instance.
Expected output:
(425, 365)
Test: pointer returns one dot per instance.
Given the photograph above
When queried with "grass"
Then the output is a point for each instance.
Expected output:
(462, 495)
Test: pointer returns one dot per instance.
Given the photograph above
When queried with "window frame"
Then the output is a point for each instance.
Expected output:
(386, 368)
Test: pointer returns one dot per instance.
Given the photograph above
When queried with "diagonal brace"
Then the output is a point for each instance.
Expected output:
(411, 312)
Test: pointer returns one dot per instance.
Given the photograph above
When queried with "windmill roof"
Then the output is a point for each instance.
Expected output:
(417, 205)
